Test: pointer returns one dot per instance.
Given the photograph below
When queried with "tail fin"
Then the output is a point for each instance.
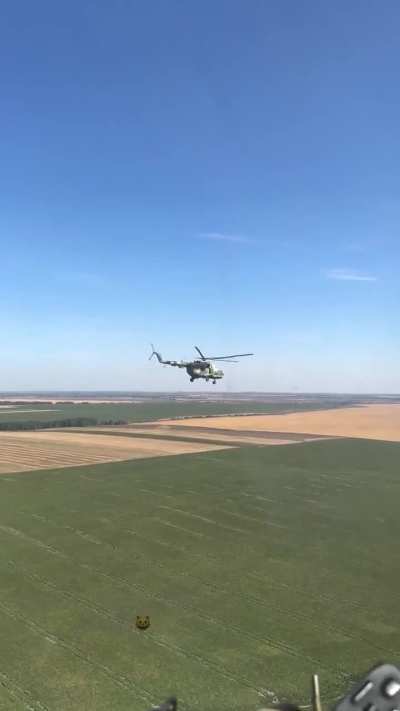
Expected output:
(156, 354)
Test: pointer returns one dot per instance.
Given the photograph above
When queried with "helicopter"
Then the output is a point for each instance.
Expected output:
(202, 367)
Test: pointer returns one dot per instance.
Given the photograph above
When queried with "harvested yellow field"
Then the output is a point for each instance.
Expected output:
(380, 422)
(24, 451)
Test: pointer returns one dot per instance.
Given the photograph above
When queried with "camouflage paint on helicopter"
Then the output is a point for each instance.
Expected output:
(201, 368)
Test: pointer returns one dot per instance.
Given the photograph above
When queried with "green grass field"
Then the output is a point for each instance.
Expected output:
(142, 412)
(258, 566)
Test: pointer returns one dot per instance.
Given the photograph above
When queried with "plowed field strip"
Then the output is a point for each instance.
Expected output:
(25, 451)
(207, 437)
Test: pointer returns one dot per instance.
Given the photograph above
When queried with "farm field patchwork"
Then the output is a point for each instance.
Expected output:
(144, 412)
(255, 564)
(380, 422)
(24, 451)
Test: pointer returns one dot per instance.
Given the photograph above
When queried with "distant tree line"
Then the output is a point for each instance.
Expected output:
(51, 424)
(29, 402)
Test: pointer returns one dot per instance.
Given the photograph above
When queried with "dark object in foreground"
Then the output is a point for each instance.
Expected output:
(142, 622)
(379, 690)
(169, 705)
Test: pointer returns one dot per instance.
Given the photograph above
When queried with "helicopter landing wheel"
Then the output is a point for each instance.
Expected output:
(192, 380)
(214, 382)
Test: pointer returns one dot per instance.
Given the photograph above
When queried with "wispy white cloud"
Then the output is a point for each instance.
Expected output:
(348, 275)
(222, 237)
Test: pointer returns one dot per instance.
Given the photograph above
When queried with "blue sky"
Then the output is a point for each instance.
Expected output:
(220, 173)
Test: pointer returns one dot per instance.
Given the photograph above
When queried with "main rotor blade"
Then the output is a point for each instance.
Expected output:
(235, 355)
(227, 360)
(200, 353)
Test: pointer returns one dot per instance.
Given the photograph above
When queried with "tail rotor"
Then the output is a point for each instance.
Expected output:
(156, 354)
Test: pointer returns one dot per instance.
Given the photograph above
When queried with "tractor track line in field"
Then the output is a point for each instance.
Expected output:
(126, 584)
(250, 518)
(126, 498)
(132, 586)
(155, 493)
(310, 620)
(193, 610)
(172, 546)
(206, 520)
(120, 680)
(318, 597)
(91, 539)
(158, 640)
(103, 612)
(323, 516)
(105, 544)
(19, 534)
(180, 528)
(328, 514)
(220, 492)
(164, 495)
(248, 597)
(208, 459)
(23, 695)
(213, 489)
(259, 498)
(82, 534)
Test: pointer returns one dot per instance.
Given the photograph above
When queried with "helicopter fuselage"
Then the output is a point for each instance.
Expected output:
(203, 369)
